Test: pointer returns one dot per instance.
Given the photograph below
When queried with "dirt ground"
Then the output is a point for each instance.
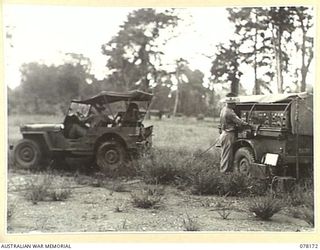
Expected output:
(104, 209)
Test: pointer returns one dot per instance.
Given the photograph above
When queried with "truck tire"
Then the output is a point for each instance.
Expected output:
(243, 159)
(27, 154)
(110, 158)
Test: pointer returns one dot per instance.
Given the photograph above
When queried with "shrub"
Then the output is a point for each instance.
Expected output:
(307, 215)
(212, 182)
(148, 197)
(224, 213)
(224, 209)
(200, 117)
(39, 190)
(207, 182)
(119, 187)
(43, 191)
(234, 184)
(302, 194)
(265, 207)
(60, 194)
(161, 166)
(190, 224)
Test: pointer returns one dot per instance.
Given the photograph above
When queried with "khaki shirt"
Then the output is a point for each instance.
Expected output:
(229, 120)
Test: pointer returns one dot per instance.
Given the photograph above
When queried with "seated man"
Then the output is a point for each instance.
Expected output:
(78, 129)
(131, 116)
(94, 119)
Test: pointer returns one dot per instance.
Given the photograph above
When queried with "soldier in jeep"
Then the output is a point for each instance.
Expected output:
(96, 117)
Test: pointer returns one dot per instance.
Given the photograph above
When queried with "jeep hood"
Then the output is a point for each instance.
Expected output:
(41, 127)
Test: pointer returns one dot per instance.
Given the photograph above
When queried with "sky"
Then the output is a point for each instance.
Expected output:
(45, 33)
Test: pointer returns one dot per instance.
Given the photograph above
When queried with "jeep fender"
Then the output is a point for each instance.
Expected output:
(109, 137)
(254, 145)
(41, 138)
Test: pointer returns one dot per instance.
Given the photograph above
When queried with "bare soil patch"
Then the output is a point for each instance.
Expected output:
(110, 208)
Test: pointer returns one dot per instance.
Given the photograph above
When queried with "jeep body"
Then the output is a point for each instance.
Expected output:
(109, 143)
(281, 143)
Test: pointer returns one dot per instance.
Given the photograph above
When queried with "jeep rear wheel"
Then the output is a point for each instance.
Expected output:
(110, 157)
(27, 154)
(243, 160)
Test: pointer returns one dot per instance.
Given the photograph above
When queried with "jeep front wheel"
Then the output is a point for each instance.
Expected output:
(110, 157)
(27, 154)
(243, 160)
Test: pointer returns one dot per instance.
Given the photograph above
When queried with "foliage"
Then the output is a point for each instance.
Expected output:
(39, 190)
(265, 207)
(302, 16)
(301, 194)
(265, 38)
(161, 166)
(42, 190)
(307, 214)
(48, 89)
(133, 54)
(212, 182)
(251, 25)
(226, 65)
(190, 224)
(148, 197)
(60, 194)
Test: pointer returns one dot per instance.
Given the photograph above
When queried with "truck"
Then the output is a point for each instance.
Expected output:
(280, 141)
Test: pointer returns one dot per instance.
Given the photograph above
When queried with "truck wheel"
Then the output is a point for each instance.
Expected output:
(110, 157)
(27, 154)
(243, 159)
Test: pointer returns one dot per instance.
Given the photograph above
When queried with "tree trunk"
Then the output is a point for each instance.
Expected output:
(276, 41)
(235, 86)
(256, 89)
(256, 83)
(176, 101)
(304, 68)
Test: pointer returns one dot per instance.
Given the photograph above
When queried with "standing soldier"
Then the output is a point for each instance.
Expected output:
(229, 121)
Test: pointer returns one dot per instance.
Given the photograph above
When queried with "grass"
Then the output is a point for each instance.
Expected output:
(147, 197)
(265, 207)
(41, 188)
(190, 224)
(176, 160)
(188, 134)
(176, 130)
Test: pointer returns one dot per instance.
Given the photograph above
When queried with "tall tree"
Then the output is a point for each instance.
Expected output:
(303, 17)
(225, 66)
(134, 54)
(49, 89)
(251, 25)
(180, 78)
(281, 26)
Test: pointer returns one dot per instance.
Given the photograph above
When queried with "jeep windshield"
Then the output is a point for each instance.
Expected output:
(79, 109)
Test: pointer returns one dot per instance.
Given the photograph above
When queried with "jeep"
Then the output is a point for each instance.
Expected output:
(91, 128)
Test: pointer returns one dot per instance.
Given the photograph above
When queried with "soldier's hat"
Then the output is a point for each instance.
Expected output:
(231, 98)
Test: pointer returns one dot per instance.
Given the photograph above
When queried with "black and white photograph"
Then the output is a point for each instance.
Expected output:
(159, 119)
